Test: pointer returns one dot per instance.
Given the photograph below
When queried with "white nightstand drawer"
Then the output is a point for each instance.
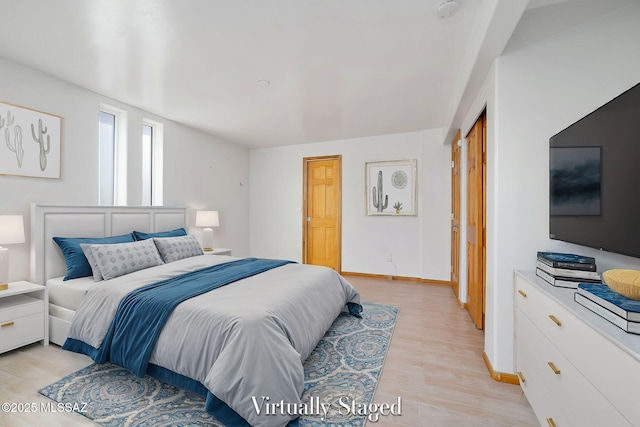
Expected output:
(21, 331)
(19, 306)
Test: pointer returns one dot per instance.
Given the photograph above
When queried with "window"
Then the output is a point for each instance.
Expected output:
(112, 160)
(107, 142)
(145, 182)
(147, 164)
(152, 163)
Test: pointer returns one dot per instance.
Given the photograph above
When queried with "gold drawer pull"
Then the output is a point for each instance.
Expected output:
(555, 320)
(550, 422)
(4, 325)
(521, 292)
(553, 368)
(521, 377)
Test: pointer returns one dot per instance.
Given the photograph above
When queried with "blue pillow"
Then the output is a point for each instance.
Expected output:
(77, 264)
(139, 235)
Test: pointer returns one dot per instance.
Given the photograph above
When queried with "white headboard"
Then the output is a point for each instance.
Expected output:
(48, 221)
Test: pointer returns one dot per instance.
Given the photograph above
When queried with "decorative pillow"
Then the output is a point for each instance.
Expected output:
(124, 258)
(77, 264)
(139, 235)
(86, 248)
(175, 248)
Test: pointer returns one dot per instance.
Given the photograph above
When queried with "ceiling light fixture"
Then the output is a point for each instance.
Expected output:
(447, 8)
(263, 83)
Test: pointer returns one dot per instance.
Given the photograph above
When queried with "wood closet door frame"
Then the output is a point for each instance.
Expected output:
(307, 217)
(456, 149)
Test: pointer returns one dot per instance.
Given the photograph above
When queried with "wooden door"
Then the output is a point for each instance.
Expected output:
(322, 211)
(455, 214)
(476, 222)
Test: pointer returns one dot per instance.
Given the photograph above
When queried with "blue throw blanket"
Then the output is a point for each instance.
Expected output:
(143, 313)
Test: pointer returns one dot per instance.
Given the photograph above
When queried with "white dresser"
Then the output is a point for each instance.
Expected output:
(575, 368)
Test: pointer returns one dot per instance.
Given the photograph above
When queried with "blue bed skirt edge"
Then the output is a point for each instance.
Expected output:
(213, 406)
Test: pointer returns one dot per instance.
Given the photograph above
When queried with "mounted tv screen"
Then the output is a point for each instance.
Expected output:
(594, 178)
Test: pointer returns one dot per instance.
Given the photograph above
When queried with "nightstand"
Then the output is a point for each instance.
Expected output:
(219, 251)
(23, 315)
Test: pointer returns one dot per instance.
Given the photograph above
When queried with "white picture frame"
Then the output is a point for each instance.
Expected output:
(29, 142)
(391, 185)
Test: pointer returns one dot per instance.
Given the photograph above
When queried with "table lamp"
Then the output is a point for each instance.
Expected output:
(11, 231)
(207, 219)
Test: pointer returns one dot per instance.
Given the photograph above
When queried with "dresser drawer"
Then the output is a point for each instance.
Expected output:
(547, 315)
(612, 371)
(537, 395)
(577, 398)
(21, 331)
(19, 306)
(529, 299)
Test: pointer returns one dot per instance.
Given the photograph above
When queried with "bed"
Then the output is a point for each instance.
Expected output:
(239, 344)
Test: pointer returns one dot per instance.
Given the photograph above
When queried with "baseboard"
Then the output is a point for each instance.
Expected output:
(436, 282)
(500, 376)
(379, 276)
(405, 278)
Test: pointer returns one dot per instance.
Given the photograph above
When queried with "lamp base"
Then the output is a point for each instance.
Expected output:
(4, 268)
(207, 239)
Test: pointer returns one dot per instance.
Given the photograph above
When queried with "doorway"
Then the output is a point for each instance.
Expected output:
(322, 211)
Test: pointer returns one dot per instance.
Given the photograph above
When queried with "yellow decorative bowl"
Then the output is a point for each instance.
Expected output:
(624, 282)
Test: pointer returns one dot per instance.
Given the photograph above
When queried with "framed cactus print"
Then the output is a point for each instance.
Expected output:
(30, 143)
(391, 187)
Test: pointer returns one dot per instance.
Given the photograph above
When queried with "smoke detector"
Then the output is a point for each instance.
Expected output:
(446, 8)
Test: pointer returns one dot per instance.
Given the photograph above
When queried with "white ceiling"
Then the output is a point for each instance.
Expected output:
(338, 68)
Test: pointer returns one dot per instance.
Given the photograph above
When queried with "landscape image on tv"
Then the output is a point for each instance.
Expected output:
(575, 181)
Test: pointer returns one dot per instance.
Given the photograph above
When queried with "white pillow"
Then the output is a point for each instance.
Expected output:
(176, 248)
(118, 259)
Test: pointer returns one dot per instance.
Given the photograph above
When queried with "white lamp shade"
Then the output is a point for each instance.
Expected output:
(11, 229)
(207, 219)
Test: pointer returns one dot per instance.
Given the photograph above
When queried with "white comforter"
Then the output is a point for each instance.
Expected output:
(247, 339)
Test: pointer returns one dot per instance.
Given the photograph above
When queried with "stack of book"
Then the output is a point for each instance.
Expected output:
(566, 270)
(617, 309)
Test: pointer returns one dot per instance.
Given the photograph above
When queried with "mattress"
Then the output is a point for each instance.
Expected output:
(68, 294)
(61, 313)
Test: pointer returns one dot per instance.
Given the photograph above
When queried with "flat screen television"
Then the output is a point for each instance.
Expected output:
(594, 178)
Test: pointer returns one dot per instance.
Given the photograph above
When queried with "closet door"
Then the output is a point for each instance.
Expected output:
(476, 221)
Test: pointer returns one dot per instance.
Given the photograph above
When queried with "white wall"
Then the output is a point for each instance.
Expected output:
(419, 245)
(200, 171)
(203, 172)
(539, 90)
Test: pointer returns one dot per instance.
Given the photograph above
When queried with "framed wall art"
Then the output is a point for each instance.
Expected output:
(391, 187)
(30, 142)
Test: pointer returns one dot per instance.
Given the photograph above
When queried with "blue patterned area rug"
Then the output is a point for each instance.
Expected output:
(344, 368)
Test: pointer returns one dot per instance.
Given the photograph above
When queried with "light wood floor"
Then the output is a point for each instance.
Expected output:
(434, 364)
